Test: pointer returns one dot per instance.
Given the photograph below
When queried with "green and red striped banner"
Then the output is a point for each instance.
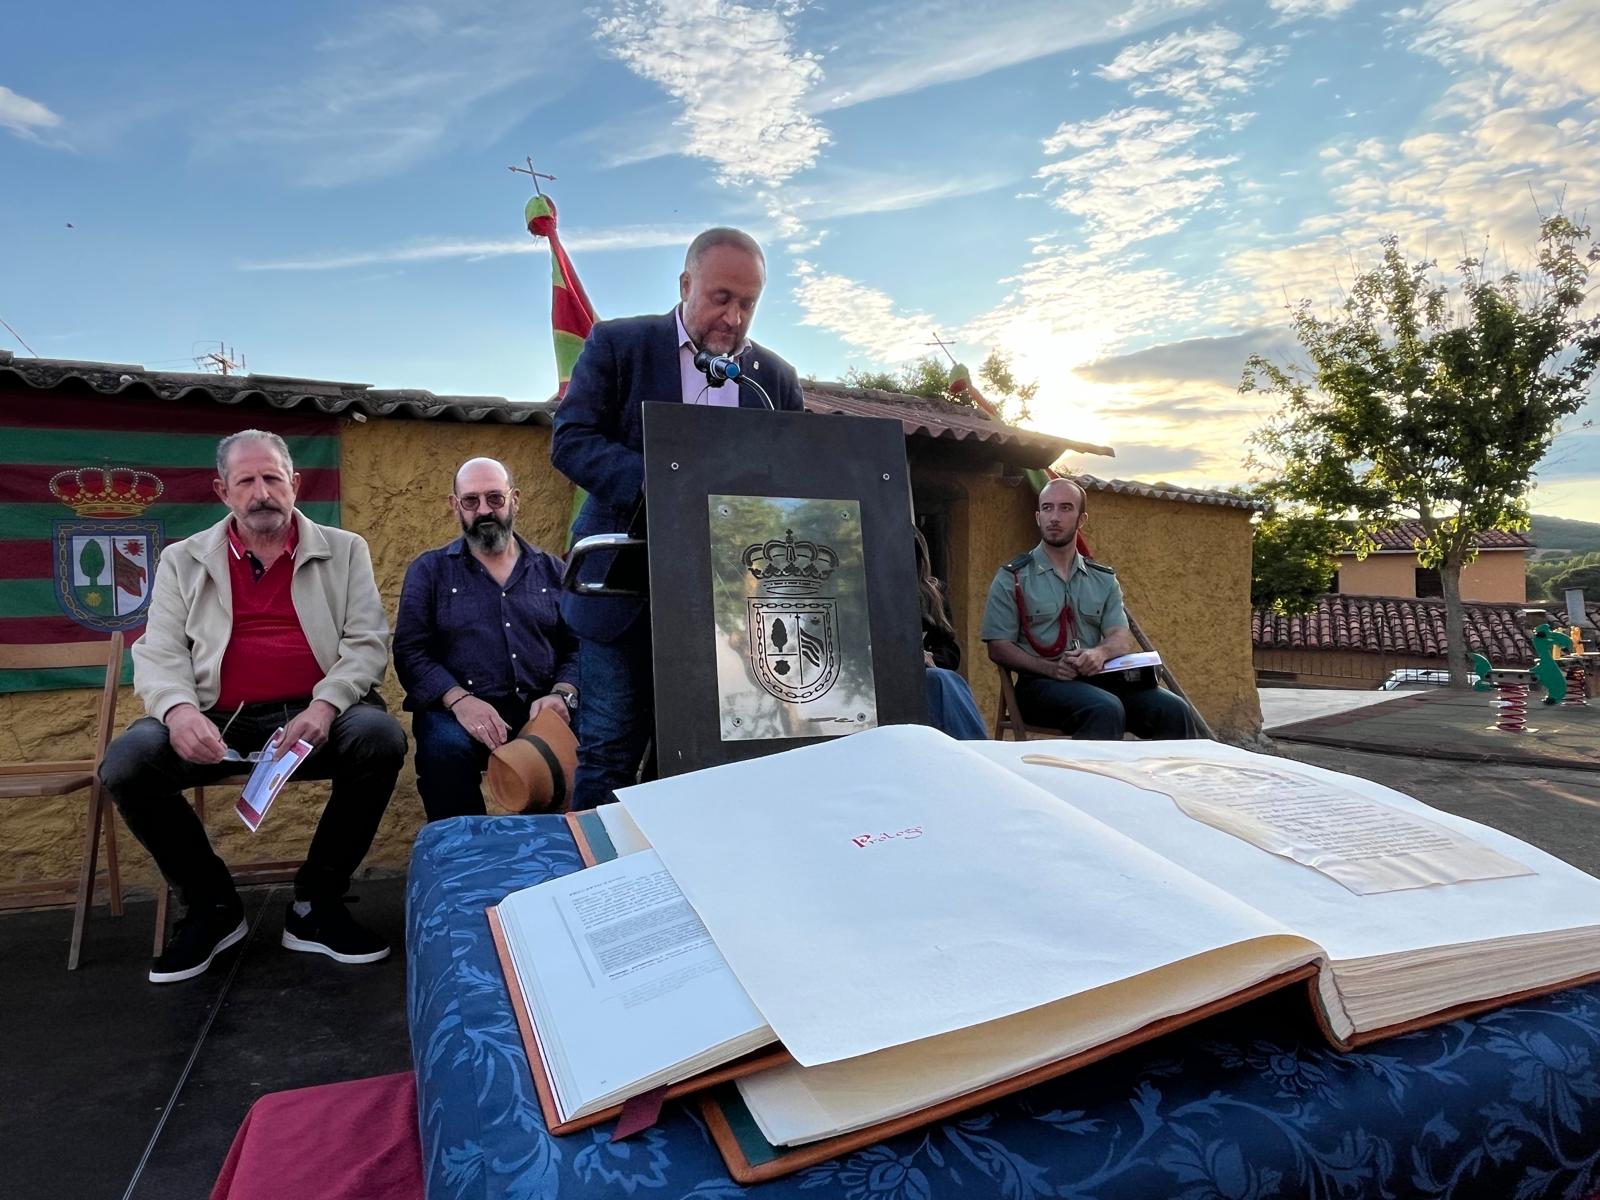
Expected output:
(92, 487)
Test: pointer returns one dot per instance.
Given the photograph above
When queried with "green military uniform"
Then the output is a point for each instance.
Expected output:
(1090, 587)
(1075, 706)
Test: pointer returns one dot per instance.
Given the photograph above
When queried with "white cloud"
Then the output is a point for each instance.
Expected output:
(1293, 10)
(1132, 175)
(1196, 67)
(706, 54)
(389, 88)
(862, 317)
(884, 51)
(24, 117)
(634, 237)
(1549, 50)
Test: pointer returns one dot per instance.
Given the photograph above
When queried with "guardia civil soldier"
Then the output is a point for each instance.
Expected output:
(1055, 618)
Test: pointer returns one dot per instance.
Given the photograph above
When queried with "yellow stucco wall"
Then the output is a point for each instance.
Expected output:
(1495, 576)
(394, 477)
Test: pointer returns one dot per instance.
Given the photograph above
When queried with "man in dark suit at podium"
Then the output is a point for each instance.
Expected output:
(599, 443)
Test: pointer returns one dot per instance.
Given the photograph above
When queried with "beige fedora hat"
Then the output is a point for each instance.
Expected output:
(532, 772)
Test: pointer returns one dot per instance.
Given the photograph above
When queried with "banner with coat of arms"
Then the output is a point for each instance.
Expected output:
(93, 488)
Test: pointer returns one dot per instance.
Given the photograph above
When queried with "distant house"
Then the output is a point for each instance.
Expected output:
(1498, 574)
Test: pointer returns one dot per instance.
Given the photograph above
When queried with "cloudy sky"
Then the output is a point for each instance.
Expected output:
(1121, 195)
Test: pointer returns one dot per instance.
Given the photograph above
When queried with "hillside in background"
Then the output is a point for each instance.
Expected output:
(1565, 536)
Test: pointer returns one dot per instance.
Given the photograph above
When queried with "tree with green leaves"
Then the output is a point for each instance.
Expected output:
(1294, 558)
(1422, 402)
(932, 376)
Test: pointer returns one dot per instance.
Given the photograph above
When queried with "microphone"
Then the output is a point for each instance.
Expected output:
(718, 368)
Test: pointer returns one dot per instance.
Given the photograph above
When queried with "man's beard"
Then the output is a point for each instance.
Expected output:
(488, 532)
(1064, 538)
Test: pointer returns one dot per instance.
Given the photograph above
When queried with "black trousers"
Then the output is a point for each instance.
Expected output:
(362, 756)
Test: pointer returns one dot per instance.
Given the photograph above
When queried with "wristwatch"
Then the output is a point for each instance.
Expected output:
(570, 699)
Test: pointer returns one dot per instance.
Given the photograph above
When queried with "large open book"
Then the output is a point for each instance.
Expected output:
(925, 924)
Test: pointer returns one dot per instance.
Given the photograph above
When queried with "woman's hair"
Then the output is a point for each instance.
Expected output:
(933, 608)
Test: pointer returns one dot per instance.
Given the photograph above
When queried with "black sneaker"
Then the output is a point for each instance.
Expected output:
(330, 929)
(200, 935)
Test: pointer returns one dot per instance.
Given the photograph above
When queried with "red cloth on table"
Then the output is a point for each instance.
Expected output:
(341, 1141)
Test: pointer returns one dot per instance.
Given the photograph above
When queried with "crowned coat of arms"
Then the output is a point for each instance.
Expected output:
(794, 629)
(104, 563)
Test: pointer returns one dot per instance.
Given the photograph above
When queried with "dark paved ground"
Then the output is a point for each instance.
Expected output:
(111, 1087)
(1444, 723)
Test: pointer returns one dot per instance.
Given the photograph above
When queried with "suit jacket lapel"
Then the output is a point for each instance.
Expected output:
(664, 349)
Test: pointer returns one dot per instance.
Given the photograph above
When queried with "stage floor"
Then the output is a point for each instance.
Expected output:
(117, 1088)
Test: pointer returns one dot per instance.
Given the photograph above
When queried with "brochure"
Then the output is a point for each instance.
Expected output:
(276, 765)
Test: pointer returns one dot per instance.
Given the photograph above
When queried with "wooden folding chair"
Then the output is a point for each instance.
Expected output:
(1009, 717)
(40, 779)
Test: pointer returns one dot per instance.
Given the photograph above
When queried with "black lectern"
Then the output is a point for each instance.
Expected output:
(782, 581)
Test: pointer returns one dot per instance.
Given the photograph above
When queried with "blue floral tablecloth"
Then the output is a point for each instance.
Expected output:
(1245, 1105)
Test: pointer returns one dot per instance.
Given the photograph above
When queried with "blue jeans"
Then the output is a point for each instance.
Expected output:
(451, 762)
(951, 707)
(1091, 713)
(616, 713)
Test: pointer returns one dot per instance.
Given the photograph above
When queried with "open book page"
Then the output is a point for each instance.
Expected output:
(1556, 896)
(1365, 844)
(892, 886)
(793, 1105)
(1123, 662)
(622, 981)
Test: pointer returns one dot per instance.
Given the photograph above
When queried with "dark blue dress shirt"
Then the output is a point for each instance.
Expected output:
(457, 627)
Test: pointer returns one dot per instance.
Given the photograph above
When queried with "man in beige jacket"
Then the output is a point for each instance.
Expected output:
(264, 621)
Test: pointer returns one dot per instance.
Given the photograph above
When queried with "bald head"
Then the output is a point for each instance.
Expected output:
(1060, 512)
(480, 467)
(485, 501)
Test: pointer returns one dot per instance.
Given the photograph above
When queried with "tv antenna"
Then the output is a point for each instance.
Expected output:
(220, 361)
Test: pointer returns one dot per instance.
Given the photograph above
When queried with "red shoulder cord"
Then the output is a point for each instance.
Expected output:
(1060, 644)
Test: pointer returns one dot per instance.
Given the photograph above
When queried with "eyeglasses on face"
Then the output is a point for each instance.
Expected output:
(490, 500)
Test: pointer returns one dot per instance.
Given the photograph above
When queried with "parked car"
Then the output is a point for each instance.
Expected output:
(1414, 677)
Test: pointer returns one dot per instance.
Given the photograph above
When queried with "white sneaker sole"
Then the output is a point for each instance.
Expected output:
(179, 976)
(290, 942)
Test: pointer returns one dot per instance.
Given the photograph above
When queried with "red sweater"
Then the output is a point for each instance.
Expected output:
(268, 657)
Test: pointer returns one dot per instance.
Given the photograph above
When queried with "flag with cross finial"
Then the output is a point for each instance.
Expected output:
(571, 314)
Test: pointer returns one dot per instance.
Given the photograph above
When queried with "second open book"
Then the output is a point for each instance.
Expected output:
(921, 922)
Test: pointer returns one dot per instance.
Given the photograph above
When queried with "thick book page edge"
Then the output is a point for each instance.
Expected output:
(1442, 1017)
(750, 1158)
(589, 832)
(761, 1060)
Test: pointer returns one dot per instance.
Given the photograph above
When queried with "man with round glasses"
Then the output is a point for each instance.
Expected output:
(479, 643)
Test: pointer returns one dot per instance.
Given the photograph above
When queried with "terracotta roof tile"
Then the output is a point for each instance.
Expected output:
(930, 416)
(1167, 491)
(1404, 537)
(1398, 625)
